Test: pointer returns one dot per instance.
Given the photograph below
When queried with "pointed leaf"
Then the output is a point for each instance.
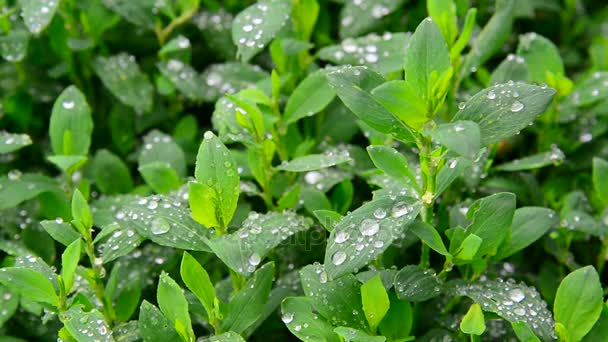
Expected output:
(71, 124)
(30, 284)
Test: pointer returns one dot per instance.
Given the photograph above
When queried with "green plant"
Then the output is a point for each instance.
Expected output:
(339, 171)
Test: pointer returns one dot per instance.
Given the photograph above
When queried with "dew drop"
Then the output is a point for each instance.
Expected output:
(287, 317)
(517, 106)
(491, 95)
(517, 295)
(68, 104)
(400, 209)
(254, 259)
(380, 213)
(159, 226)
(342, 237)
(369, 227)
(338, 258)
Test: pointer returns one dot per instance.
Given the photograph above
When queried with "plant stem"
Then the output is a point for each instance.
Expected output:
(429, 169)
(163, 34)
(97, 283)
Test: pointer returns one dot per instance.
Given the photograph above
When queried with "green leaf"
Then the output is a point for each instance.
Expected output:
(30, 284)
(514, 302)
(541, 55)
(553, 157)
(86, 326)
(37, 14)
(80, 210)
(589, 90)
(71, 124)
(338, 301)
(356, 335)
(298, 312)
(111, 174)
(162, 178)
(358, 18)
(69, 262)
(197, 280)
(14, 45)
(137, 12)
(491, 38)
(397, 324)
(473, 321)
(160, 147)
(229, 336)
(311, 96)
(216, 28)
(401, 99)
(244, 249)
(366, 232)
(217, 172)
(383, 54)
(184, 78)
(174, 306)
(579, 302)
(9, 302)
(443, 13)
(178, 48)
(17, 188)
(115, 241)
(455, 168)
(462, 137)
(230, 77)
(466, 250)
(121, 75)
(523, 332)
(492, 216)
(501, 114)
(354, 85)
(154, 326)
(170, 222)
(414, 284)
(600, 179)
(513, 68)
(10, 142)
(247, 304)
(529, 224)
(313, 162)
(427, 55)
(375, 301)
(429, 235)
(68, 164)
(257, 25)
(600, 329)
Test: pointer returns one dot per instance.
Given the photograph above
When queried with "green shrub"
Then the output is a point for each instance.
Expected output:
(321, 170)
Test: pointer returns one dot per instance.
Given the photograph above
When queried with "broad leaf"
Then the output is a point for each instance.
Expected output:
(505, 109)
(227, 337)
(492, 216)
(154, 326)
(462, 137)
(60, 231)
(30, 284)
(414, 284)
(245, 249)
(311, 96)
(402, 100)
(162, 178)
(111, 174)
(298, 315)
(160, 147)
(375, 301)
(122, 76)
(393, 164)
(86, 326)
(71, 123)
(579, 302)
(257, 25)
(473, 321)
(513, 68)
(529, 224)
(541, 55)
(367, 232)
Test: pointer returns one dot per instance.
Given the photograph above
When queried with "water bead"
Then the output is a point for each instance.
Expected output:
(369, 227)
(338, 258)
(517, 106)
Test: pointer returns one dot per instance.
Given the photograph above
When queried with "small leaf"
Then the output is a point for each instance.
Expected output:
(513, 68)
(375, 301)
(216, 171)
(468, 248)
(354, 85)
(14, 44)
(184, 78)
(427, 54)
(492, 216)
(10, 142)
(529, 224)
(71, 124)
(523, 332)
(197, 280)
(247, 304)
(154, 326)
(553, 157)
(111, 174)
(297, 312)
(313, 162)
(443, 13)
(30, 284)
(37, 14)
(473, 321)
(414, 284)
(402, 100)
(69, 262)
(429, 235)
(160, 147)
(86, 326)
(452, 169)
(174, 306)
(338, 301)
(115, 241)
(311, 96)
(121, 75)
(505, 109)
(68, 164)
(600, 179)
(245, 249)
(257, 25)
(367, 232)
(579, 302)
(60, 231)
(462, 137)
(80, 210)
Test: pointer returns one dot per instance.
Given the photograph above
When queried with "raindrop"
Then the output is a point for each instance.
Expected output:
(491, 95)
(254, 259)
(159, 226)
(517, 295)
(338, 258)
(342, 236)
(287, 317)
(369, 227)
(68, 104)
(517, 106)
(400, 209)
(380, 213)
